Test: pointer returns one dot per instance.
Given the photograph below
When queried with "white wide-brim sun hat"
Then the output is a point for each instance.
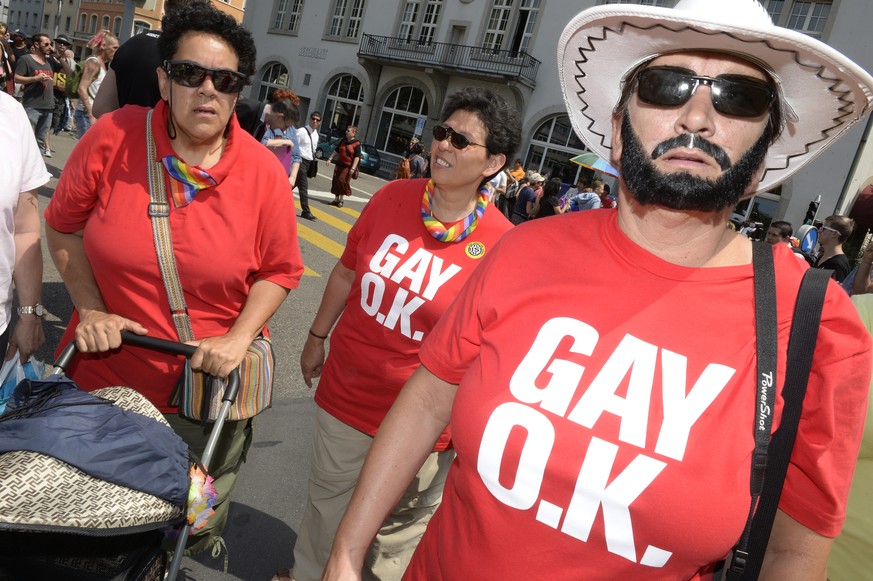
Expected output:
(826, 90)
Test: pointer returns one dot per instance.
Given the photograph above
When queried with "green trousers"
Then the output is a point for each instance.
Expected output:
(230, 453)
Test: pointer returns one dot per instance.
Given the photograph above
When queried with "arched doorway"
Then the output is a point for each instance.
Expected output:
(275, 76)
(345, 98)
(403, 115)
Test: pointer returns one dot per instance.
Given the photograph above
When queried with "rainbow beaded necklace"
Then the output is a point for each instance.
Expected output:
(460, 230)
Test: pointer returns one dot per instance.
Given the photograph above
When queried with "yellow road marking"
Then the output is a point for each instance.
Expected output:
(309, 272)
(327, 218)
(320, 240)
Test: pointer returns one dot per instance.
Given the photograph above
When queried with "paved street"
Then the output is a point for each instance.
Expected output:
(268, 501)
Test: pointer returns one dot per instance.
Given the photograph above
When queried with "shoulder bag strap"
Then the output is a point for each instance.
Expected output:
(801, 346)
(159, 212)
(766, 345)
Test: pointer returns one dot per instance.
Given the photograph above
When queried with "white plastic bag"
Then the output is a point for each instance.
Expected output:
(13, 372)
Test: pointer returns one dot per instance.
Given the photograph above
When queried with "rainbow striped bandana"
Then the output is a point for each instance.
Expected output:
(186, 180)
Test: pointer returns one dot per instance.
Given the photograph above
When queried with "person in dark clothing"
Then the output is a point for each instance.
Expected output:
(831, 236)
(132, 78)
(525, 205)
(550, 204)
(417, 162)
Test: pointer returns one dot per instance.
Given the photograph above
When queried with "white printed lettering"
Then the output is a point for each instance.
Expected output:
(565, 375)
(384, 263)
(680, 412)
(634, 357)
(402, 311)
(525, 488)
(414, 268)
(592, 492)
(438, 277)
(372, 290)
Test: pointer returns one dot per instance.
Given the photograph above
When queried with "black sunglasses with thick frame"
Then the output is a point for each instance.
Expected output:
(190, 74)
(458, 141)
(734, 95)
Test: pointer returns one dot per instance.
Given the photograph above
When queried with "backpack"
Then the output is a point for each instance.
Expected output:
(72, 88)
(403, 169)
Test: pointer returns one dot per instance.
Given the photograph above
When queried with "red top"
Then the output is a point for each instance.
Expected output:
(238, 232)
(604, 416)
(404, 281)
(347, 151)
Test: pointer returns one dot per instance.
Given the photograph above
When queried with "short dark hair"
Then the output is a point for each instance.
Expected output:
(35, 38)
(287, 109)
(205, 18)
(552, 187)
(501, 121)
(842, 224)
(775, 123)
(785, 228)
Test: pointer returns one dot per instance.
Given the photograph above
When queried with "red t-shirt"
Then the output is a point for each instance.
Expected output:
(604, 417)
(232, 235)
(404, 281)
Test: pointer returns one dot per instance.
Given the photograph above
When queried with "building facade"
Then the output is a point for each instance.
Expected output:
(387, 66)
(81, 19)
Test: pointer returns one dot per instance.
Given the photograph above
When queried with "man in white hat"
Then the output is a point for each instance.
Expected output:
(615, 441)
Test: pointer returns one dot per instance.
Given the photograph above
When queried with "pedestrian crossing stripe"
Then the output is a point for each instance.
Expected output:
(310, 235)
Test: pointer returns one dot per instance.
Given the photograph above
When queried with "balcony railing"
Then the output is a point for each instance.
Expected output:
(473, 59)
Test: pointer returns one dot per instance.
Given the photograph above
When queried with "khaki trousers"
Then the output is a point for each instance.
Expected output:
(338, 454)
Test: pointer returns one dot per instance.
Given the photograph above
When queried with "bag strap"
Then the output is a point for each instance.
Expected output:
(748, 555)
(801, 346)
(159, 212)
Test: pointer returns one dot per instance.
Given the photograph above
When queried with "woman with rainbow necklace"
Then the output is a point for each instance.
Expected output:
(414, 246)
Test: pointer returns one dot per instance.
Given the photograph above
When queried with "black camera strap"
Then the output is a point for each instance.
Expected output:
(771, 456)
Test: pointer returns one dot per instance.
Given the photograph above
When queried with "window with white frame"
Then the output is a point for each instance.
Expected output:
(420, 24)
(345, 20)
(551, 147)
(809, 17)
(275, 76)
(93, 28)
(140, 26)
(643, 2)
(116, 26)
(511, 25)
(83, 22)
(498, 22)
(104, 23)
(405, 111)
(774, 9)
(345, 99)
(286, 16)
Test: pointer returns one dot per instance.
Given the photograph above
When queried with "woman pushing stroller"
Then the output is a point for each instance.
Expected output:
(102, 242)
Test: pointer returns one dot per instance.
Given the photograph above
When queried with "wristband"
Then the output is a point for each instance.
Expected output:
(317, 336)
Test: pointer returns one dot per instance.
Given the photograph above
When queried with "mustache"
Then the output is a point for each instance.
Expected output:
(693, 141)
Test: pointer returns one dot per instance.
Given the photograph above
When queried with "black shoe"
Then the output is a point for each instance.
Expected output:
(308, 216)
(334, 203)
(339, 204)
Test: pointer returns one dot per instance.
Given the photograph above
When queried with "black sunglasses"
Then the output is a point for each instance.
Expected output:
(457, 140)
(735, 95)
(192, 75)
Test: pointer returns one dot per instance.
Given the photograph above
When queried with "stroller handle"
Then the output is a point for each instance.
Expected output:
(171, 347)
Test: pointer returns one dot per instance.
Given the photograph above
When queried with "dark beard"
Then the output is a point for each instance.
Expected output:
(683, 191)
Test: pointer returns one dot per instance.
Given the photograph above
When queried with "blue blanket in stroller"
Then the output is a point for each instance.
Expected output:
(55, 418)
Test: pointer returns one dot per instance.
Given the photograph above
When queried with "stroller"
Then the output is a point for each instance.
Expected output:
(59, 522)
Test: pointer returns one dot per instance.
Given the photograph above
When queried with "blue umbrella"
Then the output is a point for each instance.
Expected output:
(592, 161)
